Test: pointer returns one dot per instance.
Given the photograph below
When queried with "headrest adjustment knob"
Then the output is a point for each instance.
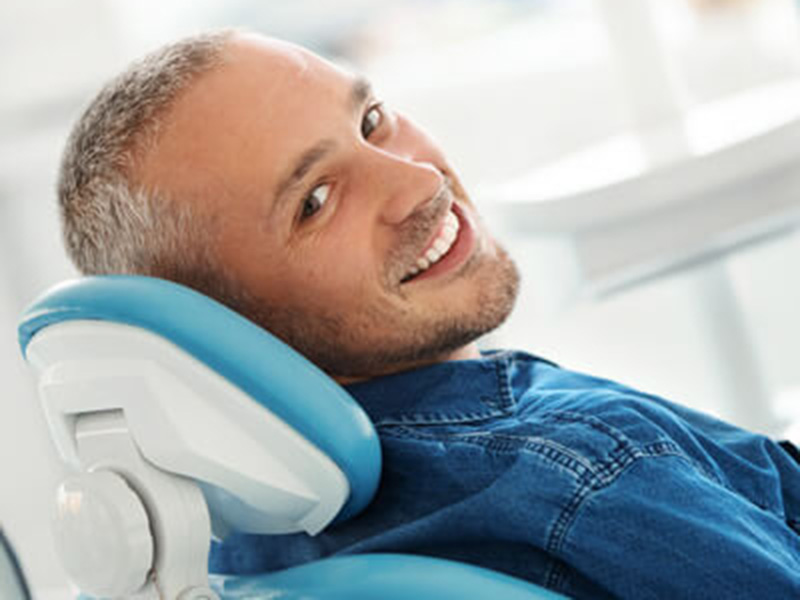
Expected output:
(102, 534)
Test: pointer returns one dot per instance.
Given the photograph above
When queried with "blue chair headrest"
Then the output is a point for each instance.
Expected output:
(252, 359)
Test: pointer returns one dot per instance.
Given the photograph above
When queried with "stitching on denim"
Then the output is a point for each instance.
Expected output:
(553, 452)
(607, 473)
(556, 575)
(603, 472)
(626, 446)
(591, 476)
(545, 447)
(593, 422)
(494, 408)
(504, 389)
(434, 418)
(670, 448)
(559, 532)
(602, 477)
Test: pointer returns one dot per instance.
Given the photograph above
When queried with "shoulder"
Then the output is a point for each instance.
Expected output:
(557, 418)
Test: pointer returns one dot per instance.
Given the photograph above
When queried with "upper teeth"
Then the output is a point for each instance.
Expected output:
(440, 245)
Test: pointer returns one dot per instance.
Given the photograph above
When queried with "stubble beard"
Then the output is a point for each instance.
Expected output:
(346, 347)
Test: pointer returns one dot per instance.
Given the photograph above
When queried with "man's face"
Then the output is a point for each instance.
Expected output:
(340, 219)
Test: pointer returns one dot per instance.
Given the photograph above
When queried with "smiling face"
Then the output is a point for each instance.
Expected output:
(340, 220)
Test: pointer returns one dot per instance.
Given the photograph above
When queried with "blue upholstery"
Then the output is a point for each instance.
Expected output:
(381, 577)
(245, 354)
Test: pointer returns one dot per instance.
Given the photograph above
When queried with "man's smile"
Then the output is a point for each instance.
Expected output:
(436, 247)
(447, 249)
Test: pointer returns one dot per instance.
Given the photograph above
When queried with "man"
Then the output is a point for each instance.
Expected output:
(270, 179)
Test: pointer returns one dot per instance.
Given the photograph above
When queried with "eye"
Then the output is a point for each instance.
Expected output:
(372, 120)
(315, 200)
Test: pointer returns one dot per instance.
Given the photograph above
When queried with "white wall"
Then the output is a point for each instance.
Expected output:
(58, 51)
(655, 337)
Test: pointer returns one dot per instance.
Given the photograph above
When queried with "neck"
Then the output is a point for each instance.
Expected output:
(468, 352)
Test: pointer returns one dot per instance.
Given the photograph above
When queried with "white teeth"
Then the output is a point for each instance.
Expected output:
(440, 246)
(432, 255)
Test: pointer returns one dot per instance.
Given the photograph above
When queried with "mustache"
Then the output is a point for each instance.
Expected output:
(417, 230)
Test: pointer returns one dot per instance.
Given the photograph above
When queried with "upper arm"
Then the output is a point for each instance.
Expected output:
(663, 529)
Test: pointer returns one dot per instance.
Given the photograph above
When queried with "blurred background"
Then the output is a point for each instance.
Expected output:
(637, 158)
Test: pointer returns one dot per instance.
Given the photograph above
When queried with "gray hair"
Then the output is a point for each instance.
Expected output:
(112, 224)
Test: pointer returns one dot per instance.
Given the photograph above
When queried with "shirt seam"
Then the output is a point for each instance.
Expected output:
(503, 405)
(504, 388)
(605, 471)
(555, 575)
(555, 453)
(433, 418)
(590, 477)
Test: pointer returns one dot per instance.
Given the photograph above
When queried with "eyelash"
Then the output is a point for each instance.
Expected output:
(378, 106)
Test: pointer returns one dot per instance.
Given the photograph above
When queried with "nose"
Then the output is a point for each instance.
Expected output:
(403, 184)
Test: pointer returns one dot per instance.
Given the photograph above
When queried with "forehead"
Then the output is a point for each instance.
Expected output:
(266, 65)
(242, 121)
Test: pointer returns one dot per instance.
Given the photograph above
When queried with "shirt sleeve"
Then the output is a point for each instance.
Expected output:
(662, 529)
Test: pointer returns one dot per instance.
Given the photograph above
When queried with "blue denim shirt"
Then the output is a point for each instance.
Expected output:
(578, 484)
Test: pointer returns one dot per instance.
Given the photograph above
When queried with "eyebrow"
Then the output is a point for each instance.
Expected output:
(360, 91)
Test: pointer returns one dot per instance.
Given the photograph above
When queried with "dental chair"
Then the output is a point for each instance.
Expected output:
(13, 585)
(181, 419)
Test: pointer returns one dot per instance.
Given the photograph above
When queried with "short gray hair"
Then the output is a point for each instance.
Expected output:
(112, 224)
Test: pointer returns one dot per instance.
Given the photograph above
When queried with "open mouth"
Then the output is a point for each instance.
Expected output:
(438, 248)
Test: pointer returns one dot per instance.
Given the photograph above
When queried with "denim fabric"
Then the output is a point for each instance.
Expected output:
(579, 484)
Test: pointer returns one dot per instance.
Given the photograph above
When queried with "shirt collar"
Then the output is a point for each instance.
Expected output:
(447, 392)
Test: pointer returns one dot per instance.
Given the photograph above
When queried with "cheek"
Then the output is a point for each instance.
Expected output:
(335, 270)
